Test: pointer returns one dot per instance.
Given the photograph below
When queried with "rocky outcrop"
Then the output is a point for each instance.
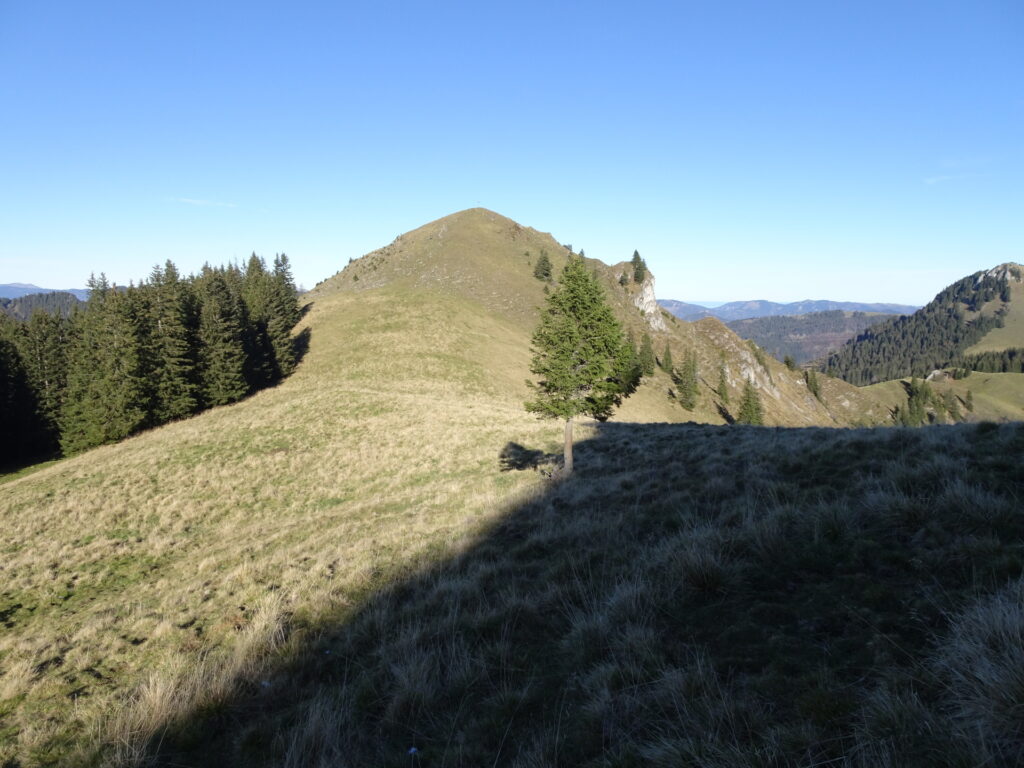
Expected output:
(648, 304)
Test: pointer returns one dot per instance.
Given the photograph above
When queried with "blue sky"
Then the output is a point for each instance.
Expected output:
(791, 150)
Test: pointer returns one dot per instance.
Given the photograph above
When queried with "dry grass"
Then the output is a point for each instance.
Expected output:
(337, 569)
(129, 568)
(754, 597)
(997, 396)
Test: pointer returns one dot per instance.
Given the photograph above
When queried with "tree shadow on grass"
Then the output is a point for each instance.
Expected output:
(517, 457)
(685, 598)
(300, 344)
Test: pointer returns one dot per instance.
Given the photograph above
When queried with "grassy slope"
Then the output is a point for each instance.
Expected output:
(481, 256)
(997, 396)
(171, 575)
(130, 563)
(1011, 335)
(695, 595)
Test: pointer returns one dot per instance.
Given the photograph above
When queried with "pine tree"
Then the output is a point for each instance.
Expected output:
(647, 361)
(750, 407)
(173, 345)
(969, 403)
(256, 293)
(578, 354)
(107, 391)
(542, 269)
(723, 384)
(284, 313)
(813, 385)
(639, 268)
(918, 396)
(666, 359)
(24, 434)
(43, 343)
(789, 362)
(221, 342)
(686, 379)
(952, 406)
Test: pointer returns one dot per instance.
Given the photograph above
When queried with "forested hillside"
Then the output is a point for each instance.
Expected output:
(805, 337)
(134, 358)
(56, 303)
(936, 336)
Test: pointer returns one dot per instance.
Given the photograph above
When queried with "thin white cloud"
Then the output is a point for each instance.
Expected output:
(954, 177)
(203, 203)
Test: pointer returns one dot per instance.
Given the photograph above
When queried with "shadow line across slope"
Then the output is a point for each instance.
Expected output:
(692, 595)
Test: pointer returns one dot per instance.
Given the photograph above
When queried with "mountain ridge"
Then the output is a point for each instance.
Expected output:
(17, 290)
(744, 310)
(487, 258)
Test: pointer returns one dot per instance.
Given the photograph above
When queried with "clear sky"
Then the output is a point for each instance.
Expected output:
(862, 150)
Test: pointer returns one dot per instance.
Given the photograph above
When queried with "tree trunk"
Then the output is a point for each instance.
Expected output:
(567, 452)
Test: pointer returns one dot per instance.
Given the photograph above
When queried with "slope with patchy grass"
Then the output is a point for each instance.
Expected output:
(1011, 334)
(694, 595)
(996, 396)
(190, 580)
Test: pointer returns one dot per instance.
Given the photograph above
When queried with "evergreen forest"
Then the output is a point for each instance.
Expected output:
(133, 358)
(933, 337)
(54, 302)
(804, 337)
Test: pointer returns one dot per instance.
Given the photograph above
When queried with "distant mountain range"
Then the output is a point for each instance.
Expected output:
(742, 310)
(17, 290)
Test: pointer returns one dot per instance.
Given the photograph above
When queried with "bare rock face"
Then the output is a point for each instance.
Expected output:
(648, 304)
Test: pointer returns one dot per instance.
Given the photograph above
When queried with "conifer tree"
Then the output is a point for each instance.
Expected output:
(257, 297)
(639, 268)
(813, 385)
(542, 269)
(969, 402)
(666, 359)
(43, 342)
(22, 431)
(173, 345)
(686, 379)
(221, 342)
(918, 397)
(750, 407)
(647, 361)
(952, 406)
(283, 315)
(107, 391)
(578, 354)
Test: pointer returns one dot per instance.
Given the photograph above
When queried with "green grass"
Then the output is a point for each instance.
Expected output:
(997, 396)
(1011, 335)
(681, 600)
(753, 597)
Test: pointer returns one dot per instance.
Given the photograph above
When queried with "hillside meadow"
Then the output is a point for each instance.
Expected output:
(372, 563)
(133, 562)
(370, 558)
